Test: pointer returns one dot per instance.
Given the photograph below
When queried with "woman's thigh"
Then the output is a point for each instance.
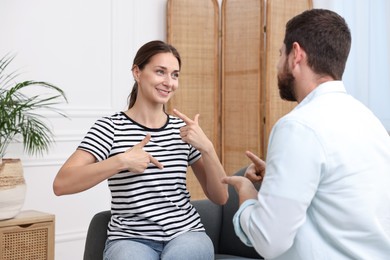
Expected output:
(127, 249)
(189, 246)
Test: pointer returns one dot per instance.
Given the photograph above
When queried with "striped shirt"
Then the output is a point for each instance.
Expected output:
(156, 203)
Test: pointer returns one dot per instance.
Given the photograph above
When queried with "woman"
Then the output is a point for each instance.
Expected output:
(144, 153)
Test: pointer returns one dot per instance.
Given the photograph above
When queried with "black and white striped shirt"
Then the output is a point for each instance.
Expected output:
(156, 203)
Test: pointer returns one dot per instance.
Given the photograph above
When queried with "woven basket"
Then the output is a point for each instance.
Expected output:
(12, 188)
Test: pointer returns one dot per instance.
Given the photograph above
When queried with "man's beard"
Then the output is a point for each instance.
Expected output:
(286, 83)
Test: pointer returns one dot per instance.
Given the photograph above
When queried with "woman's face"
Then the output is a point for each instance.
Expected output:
(159, 79)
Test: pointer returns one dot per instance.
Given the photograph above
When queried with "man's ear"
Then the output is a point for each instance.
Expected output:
(298, 53)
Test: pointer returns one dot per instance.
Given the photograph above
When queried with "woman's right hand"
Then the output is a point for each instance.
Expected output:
(136, 159)
(81, 171)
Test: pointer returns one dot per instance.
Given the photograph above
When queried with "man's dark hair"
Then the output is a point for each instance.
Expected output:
(325, 37)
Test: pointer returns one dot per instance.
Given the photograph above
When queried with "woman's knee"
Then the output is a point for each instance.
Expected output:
(125, 249)
(190, 245)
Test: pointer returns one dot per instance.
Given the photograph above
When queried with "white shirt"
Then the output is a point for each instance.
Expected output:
(326, 192)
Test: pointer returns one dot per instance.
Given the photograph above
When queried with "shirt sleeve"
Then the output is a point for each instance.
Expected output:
(294, 162)
(194, 155)
(237, 225)
(99, 139)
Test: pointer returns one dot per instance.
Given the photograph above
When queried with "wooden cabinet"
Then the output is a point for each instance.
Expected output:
(29, 235)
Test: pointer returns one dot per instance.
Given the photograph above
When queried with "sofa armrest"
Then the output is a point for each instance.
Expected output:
(211, 216)
(96, 236)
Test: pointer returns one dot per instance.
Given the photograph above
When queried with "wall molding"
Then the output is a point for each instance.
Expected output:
(70, 236)
(78, 112)
(44, 162)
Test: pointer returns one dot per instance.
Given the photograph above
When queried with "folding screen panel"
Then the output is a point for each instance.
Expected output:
(237, 111)
(242, 49)
(193, 29)
(278, 13)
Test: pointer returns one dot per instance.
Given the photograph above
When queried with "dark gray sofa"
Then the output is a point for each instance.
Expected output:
(216, 219)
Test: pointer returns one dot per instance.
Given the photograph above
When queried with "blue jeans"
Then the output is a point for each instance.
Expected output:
(189, 246)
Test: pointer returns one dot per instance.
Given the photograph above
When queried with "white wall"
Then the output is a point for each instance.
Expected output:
(367, 74)
(86, 47)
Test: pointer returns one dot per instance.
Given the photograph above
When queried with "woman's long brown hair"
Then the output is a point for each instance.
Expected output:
(142, 58)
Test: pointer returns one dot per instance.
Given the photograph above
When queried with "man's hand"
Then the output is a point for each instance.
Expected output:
(137, 159)
(243, 187)
(256, 170)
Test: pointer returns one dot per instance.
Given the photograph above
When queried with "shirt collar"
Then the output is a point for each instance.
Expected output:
(335, 86)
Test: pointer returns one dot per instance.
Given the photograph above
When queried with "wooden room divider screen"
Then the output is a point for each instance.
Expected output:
(229, 72)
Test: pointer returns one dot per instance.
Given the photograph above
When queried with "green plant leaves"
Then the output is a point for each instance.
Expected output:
(19, 115)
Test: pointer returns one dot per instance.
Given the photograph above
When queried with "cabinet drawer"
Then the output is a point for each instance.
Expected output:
(26, 240)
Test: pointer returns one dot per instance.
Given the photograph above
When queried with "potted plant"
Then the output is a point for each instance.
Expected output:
(20, 121)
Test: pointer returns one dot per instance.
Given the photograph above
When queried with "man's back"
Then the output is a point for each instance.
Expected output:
(349, 215)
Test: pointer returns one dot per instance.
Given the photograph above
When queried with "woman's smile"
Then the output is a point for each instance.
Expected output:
(163, 92)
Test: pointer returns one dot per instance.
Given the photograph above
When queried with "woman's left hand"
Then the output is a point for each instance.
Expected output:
(192, 133)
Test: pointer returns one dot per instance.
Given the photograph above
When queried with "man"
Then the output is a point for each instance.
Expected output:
(325, 191)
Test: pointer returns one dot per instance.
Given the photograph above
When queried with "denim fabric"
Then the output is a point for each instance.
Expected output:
(189, 246)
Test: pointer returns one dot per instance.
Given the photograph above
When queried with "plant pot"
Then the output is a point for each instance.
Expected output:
(12, 188)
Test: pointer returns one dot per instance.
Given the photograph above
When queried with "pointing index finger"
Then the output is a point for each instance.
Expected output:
(182, 116)
(256, 160)
(156, 162)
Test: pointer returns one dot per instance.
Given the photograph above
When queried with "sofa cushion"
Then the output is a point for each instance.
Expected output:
(211, 217)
